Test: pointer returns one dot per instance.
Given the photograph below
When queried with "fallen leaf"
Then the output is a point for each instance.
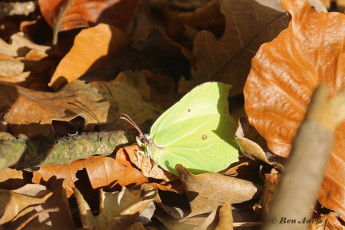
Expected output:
(102, 171)
(225, 217)
(9, 174)
(129, 154)
(19, 46)
(84, 56)
(157, 51)
(17, 59)
(203, 221)
(32, 112)
(247, 26)
(284, 75)
(55, 220)
(254, 151)
(131, 213)
(66, 172)
(328, 221)
(207, 17)
(205, 194)
(251, 149)
(125, 205)
(272, 180)
(128, 94)
(66, 15)
(14, 205)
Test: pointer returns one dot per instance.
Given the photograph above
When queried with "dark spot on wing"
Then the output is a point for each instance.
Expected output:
(204, 137)
(188, 110)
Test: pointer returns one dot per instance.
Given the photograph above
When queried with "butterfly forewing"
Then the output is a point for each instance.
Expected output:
(202, 100)
(196, 132)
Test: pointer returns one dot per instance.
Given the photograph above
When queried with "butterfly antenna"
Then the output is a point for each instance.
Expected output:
(125, 117)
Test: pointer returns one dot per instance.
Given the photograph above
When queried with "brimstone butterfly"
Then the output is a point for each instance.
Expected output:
(196, 132)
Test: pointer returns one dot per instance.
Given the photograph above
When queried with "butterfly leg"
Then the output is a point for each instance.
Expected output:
(138, 157)
(153, 168)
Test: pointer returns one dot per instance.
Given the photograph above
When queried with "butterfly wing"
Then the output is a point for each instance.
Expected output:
(197, 132)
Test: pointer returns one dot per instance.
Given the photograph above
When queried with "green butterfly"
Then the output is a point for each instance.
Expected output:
(197, 132)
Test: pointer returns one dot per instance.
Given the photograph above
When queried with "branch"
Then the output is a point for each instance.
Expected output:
(22, 152)
(303, 174)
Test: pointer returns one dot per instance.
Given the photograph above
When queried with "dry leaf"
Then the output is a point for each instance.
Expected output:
(102, 171)
(66, 15)
(14, 205)
(128, 94)
(205, 194)
(254, 151)
(85, 56)
(170, 222)
(66, 172)
(55, 220)
(225, 217)
(284, 75)
(19, 46)
(326, 222)
(207, 17)
(32, 112)
(128, 155)
(247, 26)
(251, 149)
(8, 173)
(270, 188)
(126, 205)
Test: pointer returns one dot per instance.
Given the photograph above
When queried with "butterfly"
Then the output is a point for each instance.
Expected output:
(196, 132)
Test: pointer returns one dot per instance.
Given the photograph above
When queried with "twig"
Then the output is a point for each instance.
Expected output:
(22, 152)
(305, 168)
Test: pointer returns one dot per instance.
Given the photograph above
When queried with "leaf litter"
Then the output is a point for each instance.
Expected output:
(72, 164)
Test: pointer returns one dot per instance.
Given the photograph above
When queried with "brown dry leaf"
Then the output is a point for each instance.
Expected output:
(85, 56)
(19, 46)
(32, 112)
(254, 151)
(130, 92)
(125, 204)
(284, 75)
(225, 217)
(270, 188)
(247, 26)
(251, 149)
(15, 57)
(102, 171)
(12, 178)
(8, 173)
(66, 15)
(66, 172)
(170, 222)
(55, 220)
(128, 155)
(205, 194)
(130, 214)
(202, 222)
(207, 17)
(14, 205)
(326, 222)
